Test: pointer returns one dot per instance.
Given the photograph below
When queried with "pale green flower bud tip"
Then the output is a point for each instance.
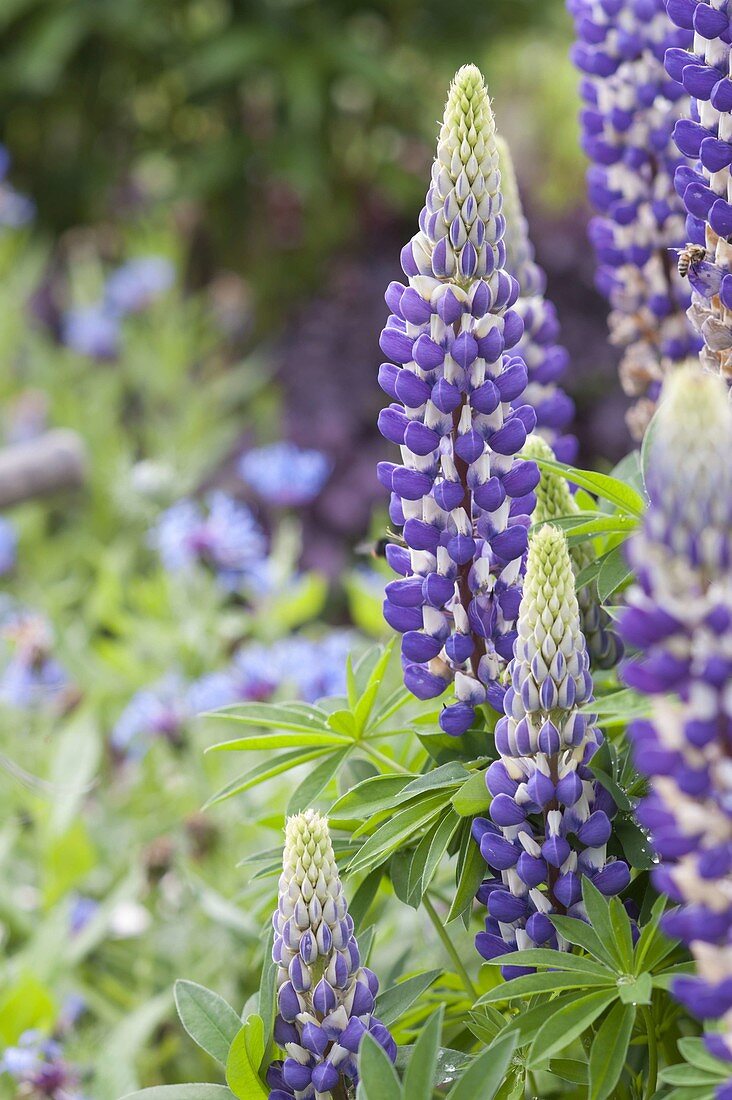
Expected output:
(307, 843)
(549, 578)
(553, 497)
(695, 401)
(512, 207)
(469, 119)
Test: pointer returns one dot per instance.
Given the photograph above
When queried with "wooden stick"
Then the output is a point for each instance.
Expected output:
(53, 462)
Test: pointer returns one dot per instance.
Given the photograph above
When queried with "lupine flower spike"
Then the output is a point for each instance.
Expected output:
(631, 105)
(680, 619)
(550, 821)
(325, 996)
(546, 360)
(706, 137)
(553, 501)
(460, 493)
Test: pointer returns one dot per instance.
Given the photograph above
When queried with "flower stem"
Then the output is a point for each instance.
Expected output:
(652, 1080)
(450, 948)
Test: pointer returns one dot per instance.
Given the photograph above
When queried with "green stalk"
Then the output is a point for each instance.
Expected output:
(651, 1083)
(450, 948)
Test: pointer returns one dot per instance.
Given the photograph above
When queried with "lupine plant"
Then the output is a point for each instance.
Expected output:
(463, 762)
(604, 952)
(630, 107)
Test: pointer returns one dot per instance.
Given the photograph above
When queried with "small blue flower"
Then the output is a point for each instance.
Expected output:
(92, 331)
(8, 546)
(138, 283)
(31, 675)
(159, 711)
(315, 667)
(37, 1063)
(82, 910)
(226, 537)
(285, 475)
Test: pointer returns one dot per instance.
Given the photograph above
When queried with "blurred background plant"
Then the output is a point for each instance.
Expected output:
(200, 205)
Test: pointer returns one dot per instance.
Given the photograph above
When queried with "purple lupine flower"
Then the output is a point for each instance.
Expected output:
(16, 209)
(705, 136)
(82, 910)
(8, 546)
(550, 821)
(680, 619)
(159, 711)
(37, 1064)
(631, 105)
(316, 667)
(135, 285)
(225, 537)
(92, 331)
(285, 475)
(30, 675)
(325, 996)
(460, 493)
(546, 360)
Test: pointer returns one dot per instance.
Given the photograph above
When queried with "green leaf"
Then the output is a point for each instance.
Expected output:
(526, 1024)
(547, 956)
(378, 792)
(394, 1002)
(694, 1051)
(317, 780)
(622, 936)
(598, 913)
(688, 1076)
(602, 485)
(361, 900)
(438, 844)
(563, 1027)
(265, 741)
(636, 845)
(208, 1018)
(263, 771)
(473, 797)
(245, 1057)
(182, 1092)
(420, 1075)
(609, 1051)
(470, 872)
(378, 1076)
(296, 717)
(545, 982)
(636, 991)
(569, 1069)
(266, 1002)
(364, 707)
(402, 825)
(614, 572)
(577, 932)
(486, 1074)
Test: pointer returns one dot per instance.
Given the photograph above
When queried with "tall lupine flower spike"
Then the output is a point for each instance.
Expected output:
(325, 996)
(554, 500)
(546, 360)
(460, 493)
(704, 70)
(550, 821)
(631, 106)
(680, 618)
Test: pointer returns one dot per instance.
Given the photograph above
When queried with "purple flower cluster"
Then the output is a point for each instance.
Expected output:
(311, 668)
(550, 821)
(223, 536)
(545, 359)
(630, 108)
(38, 1066)
(16, 210)
(95, 330)
(285, 475)
(460, 493)
(703, 68)
(325, 996)
(30, 674)
(680, 619)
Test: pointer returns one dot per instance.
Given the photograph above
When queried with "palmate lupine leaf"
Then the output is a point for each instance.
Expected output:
(310, 733)
(603, 990)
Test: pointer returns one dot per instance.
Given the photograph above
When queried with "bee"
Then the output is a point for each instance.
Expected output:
(690, 256)
(376, 548)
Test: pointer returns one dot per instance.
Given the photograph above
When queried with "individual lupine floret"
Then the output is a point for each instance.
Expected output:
(631, 106)
(706, 137)
(550, 821)
(325, 996)
(460, 493)
(546, 360)
(680, 619)
(554, 500)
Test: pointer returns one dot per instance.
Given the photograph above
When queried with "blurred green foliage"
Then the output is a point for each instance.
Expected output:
(288, 121)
